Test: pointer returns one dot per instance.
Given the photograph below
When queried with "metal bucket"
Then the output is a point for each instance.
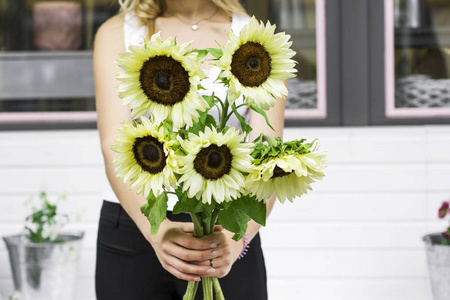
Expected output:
(439, 266)
(44, 271)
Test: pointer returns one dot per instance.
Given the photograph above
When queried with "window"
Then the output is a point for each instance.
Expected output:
(417, 43)
(304, 20)
(46, 61)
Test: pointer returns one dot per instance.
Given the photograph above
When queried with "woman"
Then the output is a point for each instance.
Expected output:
(131, 263)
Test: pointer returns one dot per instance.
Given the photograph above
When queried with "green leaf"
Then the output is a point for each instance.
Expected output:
(209, 100)
(251, 207)
(224, 80)
(200, 54)
(155, 210)
(245, 127)
(235, 221)
(217, 53)
(208, 208)
(210, 121)
(186, 204)
(262, 113)
(205, 120)
(223, 205)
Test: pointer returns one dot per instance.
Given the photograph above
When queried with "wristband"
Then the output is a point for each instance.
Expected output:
(244, 247)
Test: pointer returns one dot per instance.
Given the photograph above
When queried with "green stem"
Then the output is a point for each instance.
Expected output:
(240, 105)
(218, 99)
(218, 289)
(207, 225)
(214, 216)
(207, 283)
(191, 290)
(219, 108)
(198, 228)
(224, 114)
(235, 108)
(198, 232)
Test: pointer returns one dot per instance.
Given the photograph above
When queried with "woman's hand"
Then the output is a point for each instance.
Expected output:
(179, 251)
(225, 254)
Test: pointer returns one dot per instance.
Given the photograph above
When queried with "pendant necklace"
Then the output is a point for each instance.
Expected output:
(194, 26)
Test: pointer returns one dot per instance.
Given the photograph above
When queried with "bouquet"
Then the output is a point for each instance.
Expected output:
(174, 145)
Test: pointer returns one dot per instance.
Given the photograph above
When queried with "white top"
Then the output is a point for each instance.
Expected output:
(135, 35)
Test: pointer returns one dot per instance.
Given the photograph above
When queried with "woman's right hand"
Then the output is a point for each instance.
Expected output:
(177, 249)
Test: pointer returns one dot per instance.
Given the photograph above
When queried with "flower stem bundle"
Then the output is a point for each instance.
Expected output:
(175, 145)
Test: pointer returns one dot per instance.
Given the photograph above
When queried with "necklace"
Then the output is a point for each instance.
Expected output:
(194, 26)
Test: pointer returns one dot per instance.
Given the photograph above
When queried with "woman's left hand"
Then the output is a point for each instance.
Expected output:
(225, 254)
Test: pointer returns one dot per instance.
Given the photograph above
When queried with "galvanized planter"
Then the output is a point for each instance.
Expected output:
(439, 266)
(44, 271)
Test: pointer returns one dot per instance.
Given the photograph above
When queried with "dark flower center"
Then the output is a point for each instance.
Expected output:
(164, 80)
(213, 162)
(251, 64)
(279, 172)
(254, 63)
(214, 159)
(149, 154)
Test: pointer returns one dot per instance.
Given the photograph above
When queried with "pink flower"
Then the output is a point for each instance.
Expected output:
(446, 235)
(443, 210)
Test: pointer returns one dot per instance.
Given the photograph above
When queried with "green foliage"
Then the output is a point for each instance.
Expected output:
(43, 219)
(217, 53)
(444, 212)
(233, 215)
(155, 210)
(186, 204)
(245, 127)
(205, 119)
(262, 152)
(253, 208)
(210, 100)
(234, 220)
(262, 113)
(200, 54)
(446, 240)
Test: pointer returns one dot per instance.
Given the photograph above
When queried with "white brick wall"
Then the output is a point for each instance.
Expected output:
(357, 236)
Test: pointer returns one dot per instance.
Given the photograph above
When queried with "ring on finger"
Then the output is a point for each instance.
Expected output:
(211, 263)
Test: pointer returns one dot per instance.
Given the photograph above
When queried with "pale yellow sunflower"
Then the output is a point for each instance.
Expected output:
(288, 176)
(161, 77)
(213, 168)
(256, 62)
(145, 158)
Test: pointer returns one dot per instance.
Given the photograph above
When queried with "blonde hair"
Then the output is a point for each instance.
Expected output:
(148, 10)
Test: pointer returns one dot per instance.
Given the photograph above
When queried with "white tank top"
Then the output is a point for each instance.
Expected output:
(135, 35)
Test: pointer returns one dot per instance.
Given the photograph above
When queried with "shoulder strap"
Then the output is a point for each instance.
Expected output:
(132, 32)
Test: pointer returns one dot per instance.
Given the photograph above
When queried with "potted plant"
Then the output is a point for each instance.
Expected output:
(438, 254)
(44, 259)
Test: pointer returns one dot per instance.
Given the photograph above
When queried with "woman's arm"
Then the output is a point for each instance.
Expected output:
(258, 123)
(174, 244)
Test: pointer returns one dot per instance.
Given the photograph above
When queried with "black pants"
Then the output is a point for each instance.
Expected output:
(128, 269)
